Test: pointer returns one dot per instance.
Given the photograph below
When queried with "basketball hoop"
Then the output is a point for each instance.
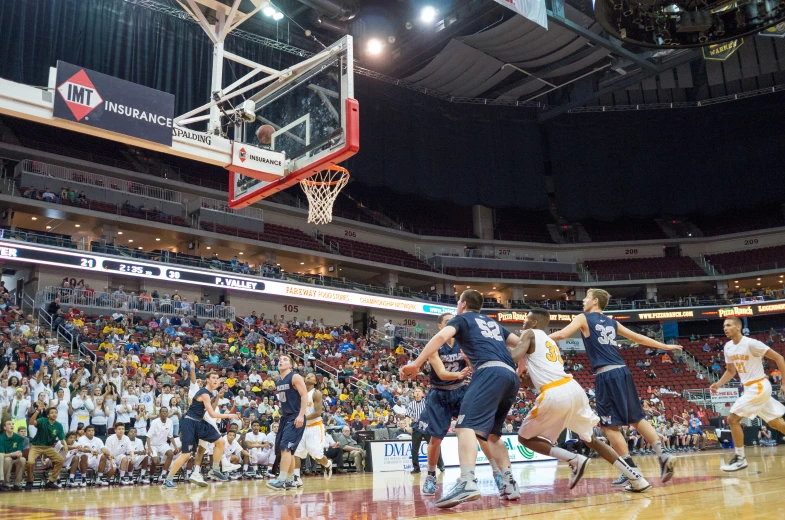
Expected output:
(322, 189)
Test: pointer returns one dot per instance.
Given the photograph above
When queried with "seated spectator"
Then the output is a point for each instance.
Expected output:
(666, 358)
(127, 206)
(706, 347)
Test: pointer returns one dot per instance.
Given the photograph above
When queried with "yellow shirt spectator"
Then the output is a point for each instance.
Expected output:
(169, 367)
(110, 357)
(104, 346)
(358, 414)
(156, 343)
(268, 384)
(343, 397)
(400, 350)
(231, 381)
(108, 329)
(78, 322)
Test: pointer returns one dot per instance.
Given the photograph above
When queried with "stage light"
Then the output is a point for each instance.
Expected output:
(428, 14)
(277, 16)
(269, 11)
(375, 46)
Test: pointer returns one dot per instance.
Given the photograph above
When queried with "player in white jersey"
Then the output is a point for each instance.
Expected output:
(233, 454)
(562, 403)
(259, 450)
(159, 435)
(744, 356)
(313, 437)
(92, 455)
(138, 456)
(118, 446)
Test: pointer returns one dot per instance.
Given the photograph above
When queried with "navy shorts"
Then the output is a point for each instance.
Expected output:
(440, 407)
(488, 400)
(192, 431)
(617, 399)
(289, 434)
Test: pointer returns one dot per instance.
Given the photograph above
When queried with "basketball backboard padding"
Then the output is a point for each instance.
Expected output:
(245, 196)
(252, 161)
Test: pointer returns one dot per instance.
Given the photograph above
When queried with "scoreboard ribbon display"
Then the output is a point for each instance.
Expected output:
(22, 252)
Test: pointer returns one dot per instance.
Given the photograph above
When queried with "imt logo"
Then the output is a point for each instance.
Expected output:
(80, 95)
(242, 154)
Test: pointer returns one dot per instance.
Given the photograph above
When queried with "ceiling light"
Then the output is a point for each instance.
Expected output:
(140, 247)
(543, 296)
(782, 275)
(759, 279)
(130, 240)
(119, 232)
(269, 11)
(494, 288)
(428, 14)
(35, 218)
(525, 295)
(157, 239)
(241, 252)
(758, 283)
(48, 227)
(468, 286)
(208, 247)
(375, 46)
(278, 265)
(78, 225)
(277, 16)
(302, 263)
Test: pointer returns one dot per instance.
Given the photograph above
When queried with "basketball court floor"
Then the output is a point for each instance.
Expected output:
(699, 491)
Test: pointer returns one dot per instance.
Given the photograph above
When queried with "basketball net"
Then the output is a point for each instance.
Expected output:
(322, 189)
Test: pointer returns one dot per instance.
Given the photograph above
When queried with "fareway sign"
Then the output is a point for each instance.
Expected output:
(534, 10)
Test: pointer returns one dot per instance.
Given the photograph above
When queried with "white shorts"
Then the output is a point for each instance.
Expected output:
(560, 407)
(138, 461)
(260, 456)
(93, 461)
(756, 401)
(312, 442)
(160, 451)
(68, 459)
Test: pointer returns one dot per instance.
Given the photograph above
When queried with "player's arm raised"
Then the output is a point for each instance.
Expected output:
(299, 384)
(578, 324)
(442, 337)
(445, 375)
(730, 373)
(640, 339)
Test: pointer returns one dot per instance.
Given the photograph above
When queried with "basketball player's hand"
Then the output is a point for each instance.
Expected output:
(464, 373)
(408, 371)
(714, 388)
(669, 347)
(526, 380)
(298, 423)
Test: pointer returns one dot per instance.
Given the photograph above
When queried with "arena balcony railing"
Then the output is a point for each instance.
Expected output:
(71, 175)
(92, 301)
(163, 170)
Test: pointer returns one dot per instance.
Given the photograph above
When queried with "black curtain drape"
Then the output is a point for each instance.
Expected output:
(120, 39)
(669, 162)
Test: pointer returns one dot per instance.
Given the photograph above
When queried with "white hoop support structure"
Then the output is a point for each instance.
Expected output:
(322, 189)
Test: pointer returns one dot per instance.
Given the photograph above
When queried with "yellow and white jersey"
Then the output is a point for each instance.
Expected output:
(545, 365)
(309, 410)
(747, 357)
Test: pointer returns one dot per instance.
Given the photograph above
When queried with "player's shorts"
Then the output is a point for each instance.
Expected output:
(289, 434)
(312, 442)
(138, 461)
(488, 399)
(192, 431)
(93, 461)
(561, 405)
(440, 407)
(68, 459)
(160, 451)
(756, 401)
(209, 420)
(259, 456)
(617, 399)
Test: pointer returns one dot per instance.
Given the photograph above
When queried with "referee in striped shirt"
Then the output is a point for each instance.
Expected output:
(413, 411)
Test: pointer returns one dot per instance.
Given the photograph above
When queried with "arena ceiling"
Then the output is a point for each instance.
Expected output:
(479, 52)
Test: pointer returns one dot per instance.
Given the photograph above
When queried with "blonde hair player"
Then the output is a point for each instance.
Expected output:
(618, 403)
(744, 356)
(562, 404)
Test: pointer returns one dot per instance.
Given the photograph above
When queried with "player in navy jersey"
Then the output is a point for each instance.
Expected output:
(194, 428)
(293, 400)
(488, 398)
(617, 399)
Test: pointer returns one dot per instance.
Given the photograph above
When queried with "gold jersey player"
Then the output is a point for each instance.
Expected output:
(744, 356)
(618, 403)
(562, 404)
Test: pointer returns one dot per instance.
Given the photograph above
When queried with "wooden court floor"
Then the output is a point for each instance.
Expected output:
(698, 491)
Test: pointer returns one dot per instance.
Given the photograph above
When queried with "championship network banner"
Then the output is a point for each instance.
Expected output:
(108, 103)
(396, 455)
(534, 10)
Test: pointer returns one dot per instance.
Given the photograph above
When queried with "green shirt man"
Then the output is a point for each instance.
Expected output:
(47, 433)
